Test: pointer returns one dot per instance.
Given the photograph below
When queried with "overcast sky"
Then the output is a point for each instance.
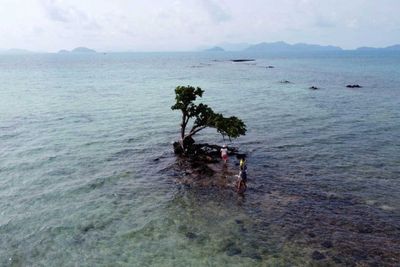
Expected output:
(168, 25)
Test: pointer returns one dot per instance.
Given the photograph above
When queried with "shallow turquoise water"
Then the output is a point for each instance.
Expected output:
(88, 177)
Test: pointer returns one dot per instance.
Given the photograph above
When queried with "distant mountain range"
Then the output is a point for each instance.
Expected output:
(261, 47)
(299, 47)
(388, 48)
(276, 47)
(77, 50)
(285, 47)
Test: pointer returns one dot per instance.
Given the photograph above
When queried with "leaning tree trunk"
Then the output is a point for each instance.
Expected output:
(184, 146)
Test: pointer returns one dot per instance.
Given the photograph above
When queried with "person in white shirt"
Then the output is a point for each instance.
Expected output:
(224, 153)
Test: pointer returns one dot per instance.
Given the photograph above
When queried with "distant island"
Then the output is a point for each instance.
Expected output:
(78, 50)
(215, 49)
(16, 51)
(285, 47)
(263, 47)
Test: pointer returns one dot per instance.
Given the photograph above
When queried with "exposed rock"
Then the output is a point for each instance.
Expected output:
(353, 86)
(177, 148)
(242, 60)
(187, 143)
(313, 88)
(203, 152)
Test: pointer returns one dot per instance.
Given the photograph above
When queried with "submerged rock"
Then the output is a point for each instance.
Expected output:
(232, 251)
(252, 255)
(327, 244)
(316, 255)
(230, 248)
(191, 235)
(88, 227)
(364, 229)
(285, 81)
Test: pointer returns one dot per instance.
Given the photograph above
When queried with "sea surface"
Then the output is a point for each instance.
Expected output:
(88, 176)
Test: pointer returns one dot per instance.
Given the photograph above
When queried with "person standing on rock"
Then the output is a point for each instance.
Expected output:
(224, 153)
(242, 164)
(241, 183)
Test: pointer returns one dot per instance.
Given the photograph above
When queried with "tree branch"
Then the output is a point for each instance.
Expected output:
(192, 132)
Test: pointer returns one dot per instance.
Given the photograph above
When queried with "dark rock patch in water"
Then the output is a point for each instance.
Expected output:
(252, 255)
(242, 60)
(316, 255)
(88, 227)
(230, 248)
(327, 244)
(191, 235)
(353, 86)
(312, 235)
(339, 228)
(232, 251)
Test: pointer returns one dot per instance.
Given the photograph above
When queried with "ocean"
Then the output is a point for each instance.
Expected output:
(88, 176)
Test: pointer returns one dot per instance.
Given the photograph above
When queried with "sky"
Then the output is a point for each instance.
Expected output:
(184, 25)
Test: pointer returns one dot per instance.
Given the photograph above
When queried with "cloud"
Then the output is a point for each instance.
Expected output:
(54, 11)
(323, 22)
(352, 23)
(215, 11)
(59, 12)
(186, 24)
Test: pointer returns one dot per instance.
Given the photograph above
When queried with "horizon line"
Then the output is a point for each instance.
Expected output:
(27, 51)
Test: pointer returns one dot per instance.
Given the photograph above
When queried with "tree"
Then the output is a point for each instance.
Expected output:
(202, 116)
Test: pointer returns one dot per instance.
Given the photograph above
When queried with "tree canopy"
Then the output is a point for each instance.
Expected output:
(202, 116)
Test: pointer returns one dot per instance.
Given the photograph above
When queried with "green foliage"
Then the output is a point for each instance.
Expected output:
(233, 127)
(203, 116)
(184, 96)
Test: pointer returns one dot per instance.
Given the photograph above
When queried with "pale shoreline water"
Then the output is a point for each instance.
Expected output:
(88, 177)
